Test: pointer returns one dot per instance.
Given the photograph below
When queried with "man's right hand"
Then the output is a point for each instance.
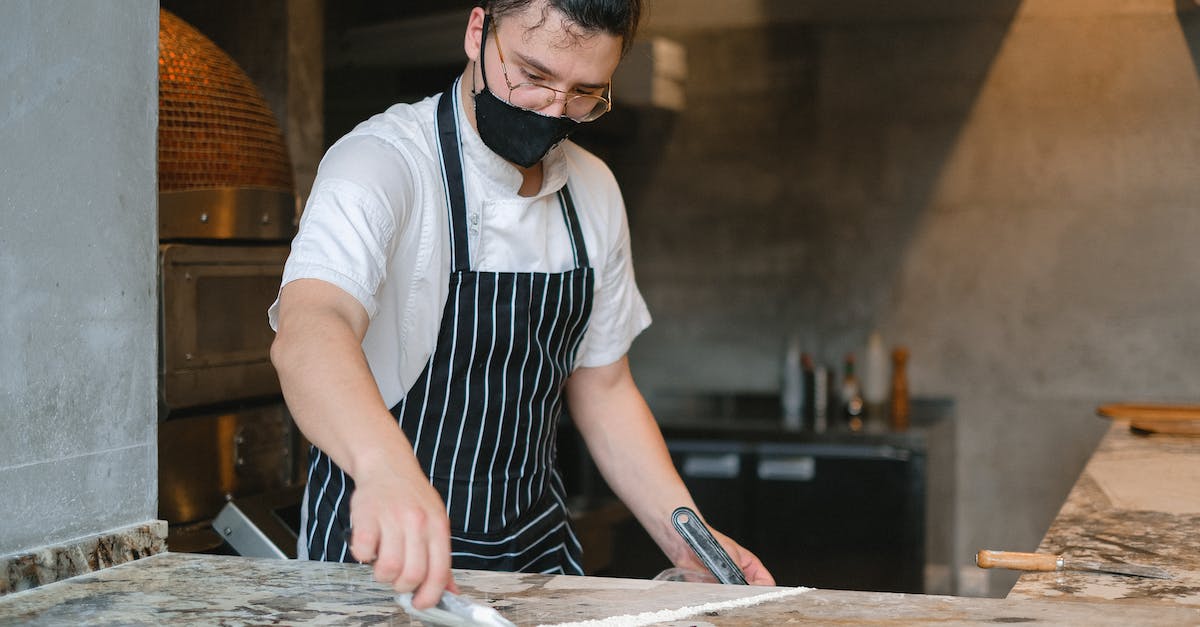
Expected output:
(398, 518)
(400, 526)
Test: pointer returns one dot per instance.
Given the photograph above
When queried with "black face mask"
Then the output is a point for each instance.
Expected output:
(518, 135)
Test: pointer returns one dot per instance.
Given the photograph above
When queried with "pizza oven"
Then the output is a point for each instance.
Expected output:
(227, 212)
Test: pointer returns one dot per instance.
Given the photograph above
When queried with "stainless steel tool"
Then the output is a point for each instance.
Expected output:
(1049, 562)
(454, 611)
(451, 610)
(689, 525)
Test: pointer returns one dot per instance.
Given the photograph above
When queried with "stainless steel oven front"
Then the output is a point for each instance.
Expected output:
(215, 337)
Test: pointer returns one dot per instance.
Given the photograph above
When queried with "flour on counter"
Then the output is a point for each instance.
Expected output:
(662, 616)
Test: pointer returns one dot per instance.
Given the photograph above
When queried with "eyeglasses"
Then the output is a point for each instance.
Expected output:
(534, 96)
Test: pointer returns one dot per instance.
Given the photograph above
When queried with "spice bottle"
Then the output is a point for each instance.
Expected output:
(875, 379)
(900, 409)
(851, 397)
(791, 395)
(808, 412)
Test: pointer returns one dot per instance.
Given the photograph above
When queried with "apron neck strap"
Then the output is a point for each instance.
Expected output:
(452, 176)
(456, 195)
(578, 248)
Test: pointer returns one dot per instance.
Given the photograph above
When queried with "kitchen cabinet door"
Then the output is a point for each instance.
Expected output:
(839, 516)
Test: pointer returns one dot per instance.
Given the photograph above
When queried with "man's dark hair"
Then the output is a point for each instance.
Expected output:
(615, 17)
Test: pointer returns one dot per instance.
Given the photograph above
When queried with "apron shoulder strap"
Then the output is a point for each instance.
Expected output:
(452, 177)
(571, 217)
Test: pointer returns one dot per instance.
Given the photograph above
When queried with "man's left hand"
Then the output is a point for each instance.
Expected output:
(752, 568)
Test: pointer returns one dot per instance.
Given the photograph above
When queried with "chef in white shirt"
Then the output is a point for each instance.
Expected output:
(462, 272)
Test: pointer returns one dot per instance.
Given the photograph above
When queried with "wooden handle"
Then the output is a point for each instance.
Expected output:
(1016, 561)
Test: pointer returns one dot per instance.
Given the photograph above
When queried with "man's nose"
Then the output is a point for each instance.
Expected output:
(555, 108)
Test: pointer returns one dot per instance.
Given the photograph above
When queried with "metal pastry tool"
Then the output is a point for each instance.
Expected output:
(689, 525)
(454, 611)
(1048, 562)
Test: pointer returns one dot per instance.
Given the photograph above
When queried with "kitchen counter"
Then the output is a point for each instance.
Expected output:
(207, 589)
(1137, 501)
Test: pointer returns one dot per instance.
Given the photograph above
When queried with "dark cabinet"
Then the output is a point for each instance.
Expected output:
(835, 510)
(840, 516)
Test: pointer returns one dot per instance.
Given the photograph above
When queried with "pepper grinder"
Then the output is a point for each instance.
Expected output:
(899, 389)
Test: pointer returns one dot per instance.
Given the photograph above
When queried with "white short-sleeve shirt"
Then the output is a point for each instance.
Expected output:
(376, 226)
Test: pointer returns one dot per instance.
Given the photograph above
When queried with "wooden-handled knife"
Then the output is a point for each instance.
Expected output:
(1047, 562)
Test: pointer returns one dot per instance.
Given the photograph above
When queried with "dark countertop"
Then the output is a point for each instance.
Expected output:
(756, 419)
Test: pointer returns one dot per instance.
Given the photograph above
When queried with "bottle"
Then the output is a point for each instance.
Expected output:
(809, 410)
(875, 382)
(820, 398)
(851, 397)
(899, 388)
(791, 388)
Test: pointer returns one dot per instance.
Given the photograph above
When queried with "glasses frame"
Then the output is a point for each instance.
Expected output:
(567, 96)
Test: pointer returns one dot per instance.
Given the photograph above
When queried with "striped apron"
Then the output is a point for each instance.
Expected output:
(483, 415)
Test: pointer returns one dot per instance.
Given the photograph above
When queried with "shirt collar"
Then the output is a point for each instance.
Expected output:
(502, 177)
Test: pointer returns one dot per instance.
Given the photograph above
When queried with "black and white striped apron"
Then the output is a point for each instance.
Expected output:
(483, 415)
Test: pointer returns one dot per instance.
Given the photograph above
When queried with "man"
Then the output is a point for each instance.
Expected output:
(460, 272)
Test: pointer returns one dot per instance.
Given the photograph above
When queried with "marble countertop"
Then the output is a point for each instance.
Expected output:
(223, 590)
(1137, 501)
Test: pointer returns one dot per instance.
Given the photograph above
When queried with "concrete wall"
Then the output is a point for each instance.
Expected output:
(78, 113)
(1008, 188)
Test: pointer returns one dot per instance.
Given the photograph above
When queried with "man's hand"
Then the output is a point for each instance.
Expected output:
(628, 447)
(400, 526)
(398, 518)
(756, 574)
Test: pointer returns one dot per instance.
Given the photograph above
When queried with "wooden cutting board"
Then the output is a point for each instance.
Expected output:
(1155, 417)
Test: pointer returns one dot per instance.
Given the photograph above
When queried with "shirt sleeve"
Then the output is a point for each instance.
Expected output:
(349, 224)
(619, 312)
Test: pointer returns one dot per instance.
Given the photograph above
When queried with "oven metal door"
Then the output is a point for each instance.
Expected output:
(208, 459)
(215, 337)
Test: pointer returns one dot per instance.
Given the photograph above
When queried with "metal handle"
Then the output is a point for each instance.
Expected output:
(689, 525)
(800, 468)
(720, 466)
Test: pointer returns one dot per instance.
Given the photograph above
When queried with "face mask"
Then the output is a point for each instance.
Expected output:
(518, 135)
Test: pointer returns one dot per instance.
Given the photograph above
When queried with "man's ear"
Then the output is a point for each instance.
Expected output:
(473, 39)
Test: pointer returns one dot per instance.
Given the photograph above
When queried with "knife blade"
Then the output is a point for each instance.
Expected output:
(1048, 562)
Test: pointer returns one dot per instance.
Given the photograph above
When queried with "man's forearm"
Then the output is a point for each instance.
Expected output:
(629, 450)
(330, 391)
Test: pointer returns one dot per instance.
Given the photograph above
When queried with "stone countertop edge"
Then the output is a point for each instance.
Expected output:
(1155, 521)
(55, 562)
